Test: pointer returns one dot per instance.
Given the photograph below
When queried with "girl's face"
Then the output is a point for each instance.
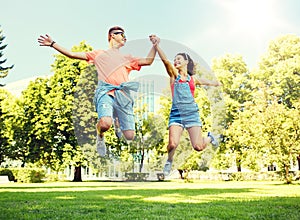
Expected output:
(180, 62)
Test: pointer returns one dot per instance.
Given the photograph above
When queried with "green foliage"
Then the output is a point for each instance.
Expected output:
(279, 70)
(8, 112)
(233, 73)
(30, 175)
(7, 172)
(148, 141)
(31, 127)
(260, 130)
(52, 133)
(55, 177)
(24, 175)
(3, 70)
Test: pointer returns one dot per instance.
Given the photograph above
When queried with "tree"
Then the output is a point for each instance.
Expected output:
(278, 76)
(8, 110)
(260, 129)
(3, 70)
(278, 70)
(47, 134)
(233, 73)
(149, 135)
(85, 119)
(60, 100)
(31, 133)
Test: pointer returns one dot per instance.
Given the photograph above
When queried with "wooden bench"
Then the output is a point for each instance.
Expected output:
(136, 176)
(4, 179)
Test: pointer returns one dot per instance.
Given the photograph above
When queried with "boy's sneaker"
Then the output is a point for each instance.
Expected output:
(101, 147)
(118, 130)
(214, 140)
(167, 168)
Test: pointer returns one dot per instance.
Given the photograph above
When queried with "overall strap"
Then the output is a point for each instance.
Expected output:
(179, 77)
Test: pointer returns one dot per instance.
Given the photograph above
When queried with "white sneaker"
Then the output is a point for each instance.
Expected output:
(101, 147)
(167, 168)
(214, 140)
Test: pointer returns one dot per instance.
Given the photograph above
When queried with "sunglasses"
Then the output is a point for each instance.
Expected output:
(121, 33)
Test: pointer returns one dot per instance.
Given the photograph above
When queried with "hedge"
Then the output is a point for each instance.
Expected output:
(24, 175)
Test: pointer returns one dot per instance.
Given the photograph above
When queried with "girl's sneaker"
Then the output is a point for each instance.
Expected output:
(167, 168)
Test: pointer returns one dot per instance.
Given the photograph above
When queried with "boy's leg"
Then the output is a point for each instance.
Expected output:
(105, 110)
(118, 131)
(126, 122)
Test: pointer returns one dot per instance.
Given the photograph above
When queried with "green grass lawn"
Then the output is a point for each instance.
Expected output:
(150, 200)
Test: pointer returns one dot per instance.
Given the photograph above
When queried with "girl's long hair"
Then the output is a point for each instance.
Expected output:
(191, 65)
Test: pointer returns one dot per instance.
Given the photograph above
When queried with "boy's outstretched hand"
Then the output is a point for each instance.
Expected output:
(45, 40)
(154, 39)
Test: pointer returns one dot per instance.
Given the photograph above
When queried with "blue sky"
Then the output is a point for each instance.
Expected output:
(211, 28)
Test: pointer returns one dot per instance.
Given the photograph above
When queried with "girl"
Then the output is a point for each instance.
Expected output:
(184, 112)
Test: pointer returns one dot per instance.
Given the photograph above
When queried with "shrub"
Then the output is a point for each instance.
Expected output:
(28, 175)
(54, 177)
(7, 172)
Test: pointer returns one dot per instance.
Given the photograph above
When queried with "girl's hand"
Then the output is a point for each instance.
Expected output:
(154, 39)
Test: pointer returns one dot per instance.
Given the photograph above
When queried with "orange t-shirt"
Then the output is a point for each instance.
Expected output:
(112, 66)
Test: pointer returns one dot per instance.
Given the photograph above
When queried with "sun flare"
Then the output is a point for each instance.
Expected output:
(251, 16)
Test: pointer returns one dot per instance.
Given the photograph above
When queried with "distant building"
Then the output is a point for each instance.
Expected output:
(150, 90)
(145, 96)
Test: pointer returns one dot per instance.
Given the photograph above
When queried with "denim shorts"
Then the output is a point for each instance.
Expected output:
(105, 108)
(184, 118)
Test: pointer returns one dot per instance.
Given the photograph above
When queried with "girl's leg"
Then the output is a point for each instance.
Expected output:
(175, 132)
(199, 143)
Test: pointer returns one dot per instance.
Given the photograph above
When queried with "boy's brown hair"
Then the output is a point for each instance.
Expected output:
(115, 28)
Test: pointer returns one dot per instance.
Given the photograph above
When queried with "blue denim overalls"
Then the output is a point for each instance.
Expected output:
(184, 111)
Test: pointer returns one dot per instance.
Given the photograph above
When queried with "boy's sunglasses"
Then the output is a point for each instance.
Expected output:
(120, 32)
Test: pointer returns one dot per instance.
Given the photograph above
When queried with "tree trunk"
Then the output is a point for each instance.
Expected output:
(287, 175)
(238, 165)
(298, 158)
(142, 160)
(77, 174)
(239, 162)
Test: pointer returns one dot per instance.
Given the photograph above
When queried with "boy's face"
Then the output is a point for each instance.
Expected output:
(119, 36)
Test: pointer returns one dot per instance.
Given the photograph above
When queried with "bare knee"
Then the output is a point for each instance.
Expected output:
(104, 124)
(129, 135)
(199, 147)
(172, 146)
